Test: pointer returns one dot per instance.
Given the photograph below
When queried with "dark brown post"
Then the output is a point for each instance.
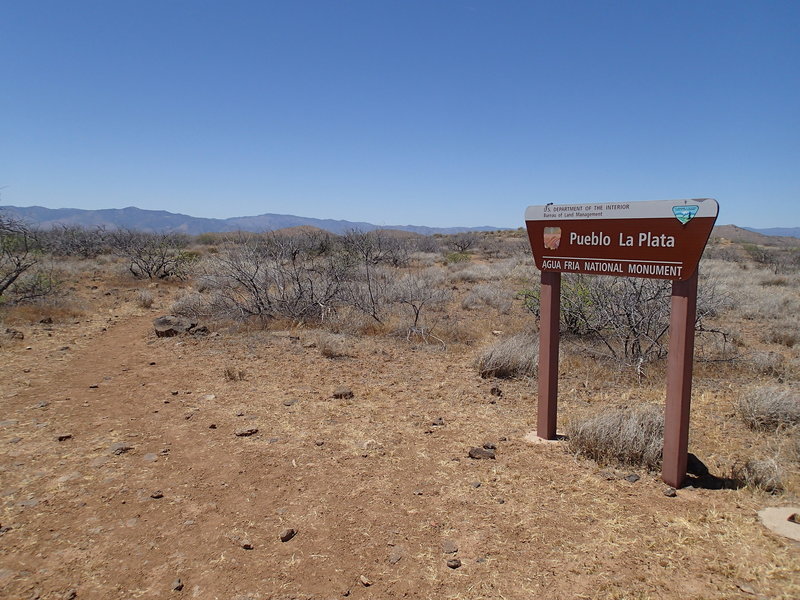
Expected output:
(549, 333)
(679, 380)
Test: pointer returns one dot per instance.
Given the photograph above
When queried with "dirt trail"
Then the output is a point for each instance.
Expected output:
(379, 495)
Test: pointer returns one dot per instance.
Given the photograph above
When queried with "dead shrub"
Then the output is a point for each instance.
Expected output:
(763, 474)
(511, 357)
(190, 304)
(487, 295)
(631, 436)
(769, 408)
(144, 299)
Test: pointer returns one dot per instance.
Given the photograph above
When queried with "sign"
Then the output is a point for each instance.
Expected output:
(660, 239)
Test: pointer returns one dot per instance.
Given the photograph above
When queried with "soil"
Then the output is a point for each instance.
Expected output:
(121, 473)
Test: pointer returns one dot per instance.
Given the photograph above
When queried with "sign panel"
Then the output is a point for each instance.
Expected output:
(661, 239)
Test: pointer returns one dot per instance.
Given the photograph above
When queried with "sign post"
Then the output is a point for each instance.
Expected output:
(661, 239)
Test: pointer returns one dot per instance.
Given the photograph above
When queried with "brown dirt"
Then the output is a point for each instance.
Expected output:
(374, 490)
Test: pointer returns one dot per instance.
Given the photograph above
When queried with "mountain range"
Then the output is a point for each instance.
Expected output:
(163, 221)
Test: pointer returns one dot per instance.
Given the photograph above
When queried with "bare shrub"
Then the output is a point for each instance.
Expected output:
(622, 435)
(24, 276)
(511, 357)
(332, 345)
(418, 290)
(153, 255)
(487, 295)
(769, 408)
(191, 304)
(785, 335)
(764, 474)
(144, 299)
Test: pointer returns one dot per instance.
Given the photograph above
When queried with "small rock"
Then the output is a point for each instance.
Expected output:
(177, 585)
(418, 492)
(120, 448)
(453, 563)
(343, 393)
(476, 484)
(490, 446)
(632, 478)
(150, 457)
(171, 325)
(290, 402)
(15, 440)
(481, 453)
(212, 426)
(396, 555)
(157, 494)
(449, 547)
(438, 422)
(245, 432)
(794, 518)
(209, 397)
(70, 594)
(288, 534)
(42, 404)
(364, 581)
(64, 437)
(319, 442)
(94, 386)
(670, 492)
(496, 391)
(246, 544)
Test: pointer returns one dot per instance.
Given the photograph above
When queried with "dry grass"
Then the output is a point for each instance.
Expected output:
(631, 436)
(144, 299)
(332, 345)
(769, 408)
(234, 374)
(764, 474)
(512, 357)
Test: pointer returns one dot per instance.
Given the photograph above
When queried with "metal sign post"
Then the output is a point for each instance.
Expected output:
(661, 239)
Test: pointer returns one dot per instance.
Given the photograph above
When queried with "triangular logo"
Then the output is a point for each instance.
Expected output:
(685, 213)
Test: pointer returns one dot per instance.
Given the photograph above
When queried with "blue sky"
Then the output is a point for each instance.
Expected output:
(428, 112)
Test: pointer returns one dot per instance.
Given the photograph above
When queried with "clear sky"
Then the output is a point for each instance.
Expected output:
(428, 112)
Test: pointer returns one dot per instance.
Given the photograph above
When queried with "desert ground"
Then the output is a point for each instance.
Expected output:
(299, 460)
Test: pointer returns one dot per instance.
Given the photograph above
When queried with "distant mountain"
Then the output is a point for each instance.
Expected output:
(782, 231)
(163, 221)
(751, 236)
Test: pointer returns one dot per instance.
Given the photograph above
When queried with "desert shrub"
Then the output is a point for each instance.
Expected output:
(487, 295)
(764, 474)
(192, 305)
(72, 240)
(231, 373)
(461, 243)
(415, 291)
(786, 335)
(144, 299)
(769, 408)
(511, 357)
(767, 363)
(24, 274)
(456, 257)
(621, 435)
(153, 255)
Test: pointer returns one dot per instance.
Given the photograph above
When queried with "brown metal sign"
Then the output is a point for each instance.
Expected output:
(661, 239)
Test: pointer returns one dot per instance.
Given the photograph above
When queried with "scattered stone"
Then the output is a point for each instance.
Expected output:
(449, 547)
(174, 392)
(438, 422)
(70, 594)
(670, 492)
(480, 559)
(481, 453)
(246, 544)
(246, 431)
(157, 494)
(212, 426)
(490, 446)
(42, 404)
(152, 363)
(418, 492)
(476, 484)
(747, 589)
(501, 501)
(172, 325)
(15, 440)
(94, 386)
(177, 585)
(5, 529)
(794, 518)
(150, 457)
(343, 393)
(290, 402)
(319, 442)
(496, 391)
(454, 563)
(364, 581)
(288, 534)
(632, 478)
(209, 397)
(396, 555)
(120, 448)
(64, 437)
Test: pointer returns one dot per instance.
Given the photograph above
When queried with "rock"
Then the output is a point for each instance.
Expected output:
(212, 426)
(670, 492)
(449, 547)
(172, 325)
(481, 453)
(246, 544)
(319, 443)
(245, 431)
(290, 402)
(343, 393)
(490, 446)
(438, 422)
(70, 594)
(396, 555)
(632, 478)
(120, 448)
(42, 404)
(63, 437)
(157, 494)
(288, 534)
(453, 563)
(177, 585)
(364, 581)
(496, 391)
(202, 330)
(150, 457)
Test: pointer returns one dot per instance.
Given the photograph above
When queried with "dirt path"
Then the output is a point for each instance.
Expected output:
(381, 497)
